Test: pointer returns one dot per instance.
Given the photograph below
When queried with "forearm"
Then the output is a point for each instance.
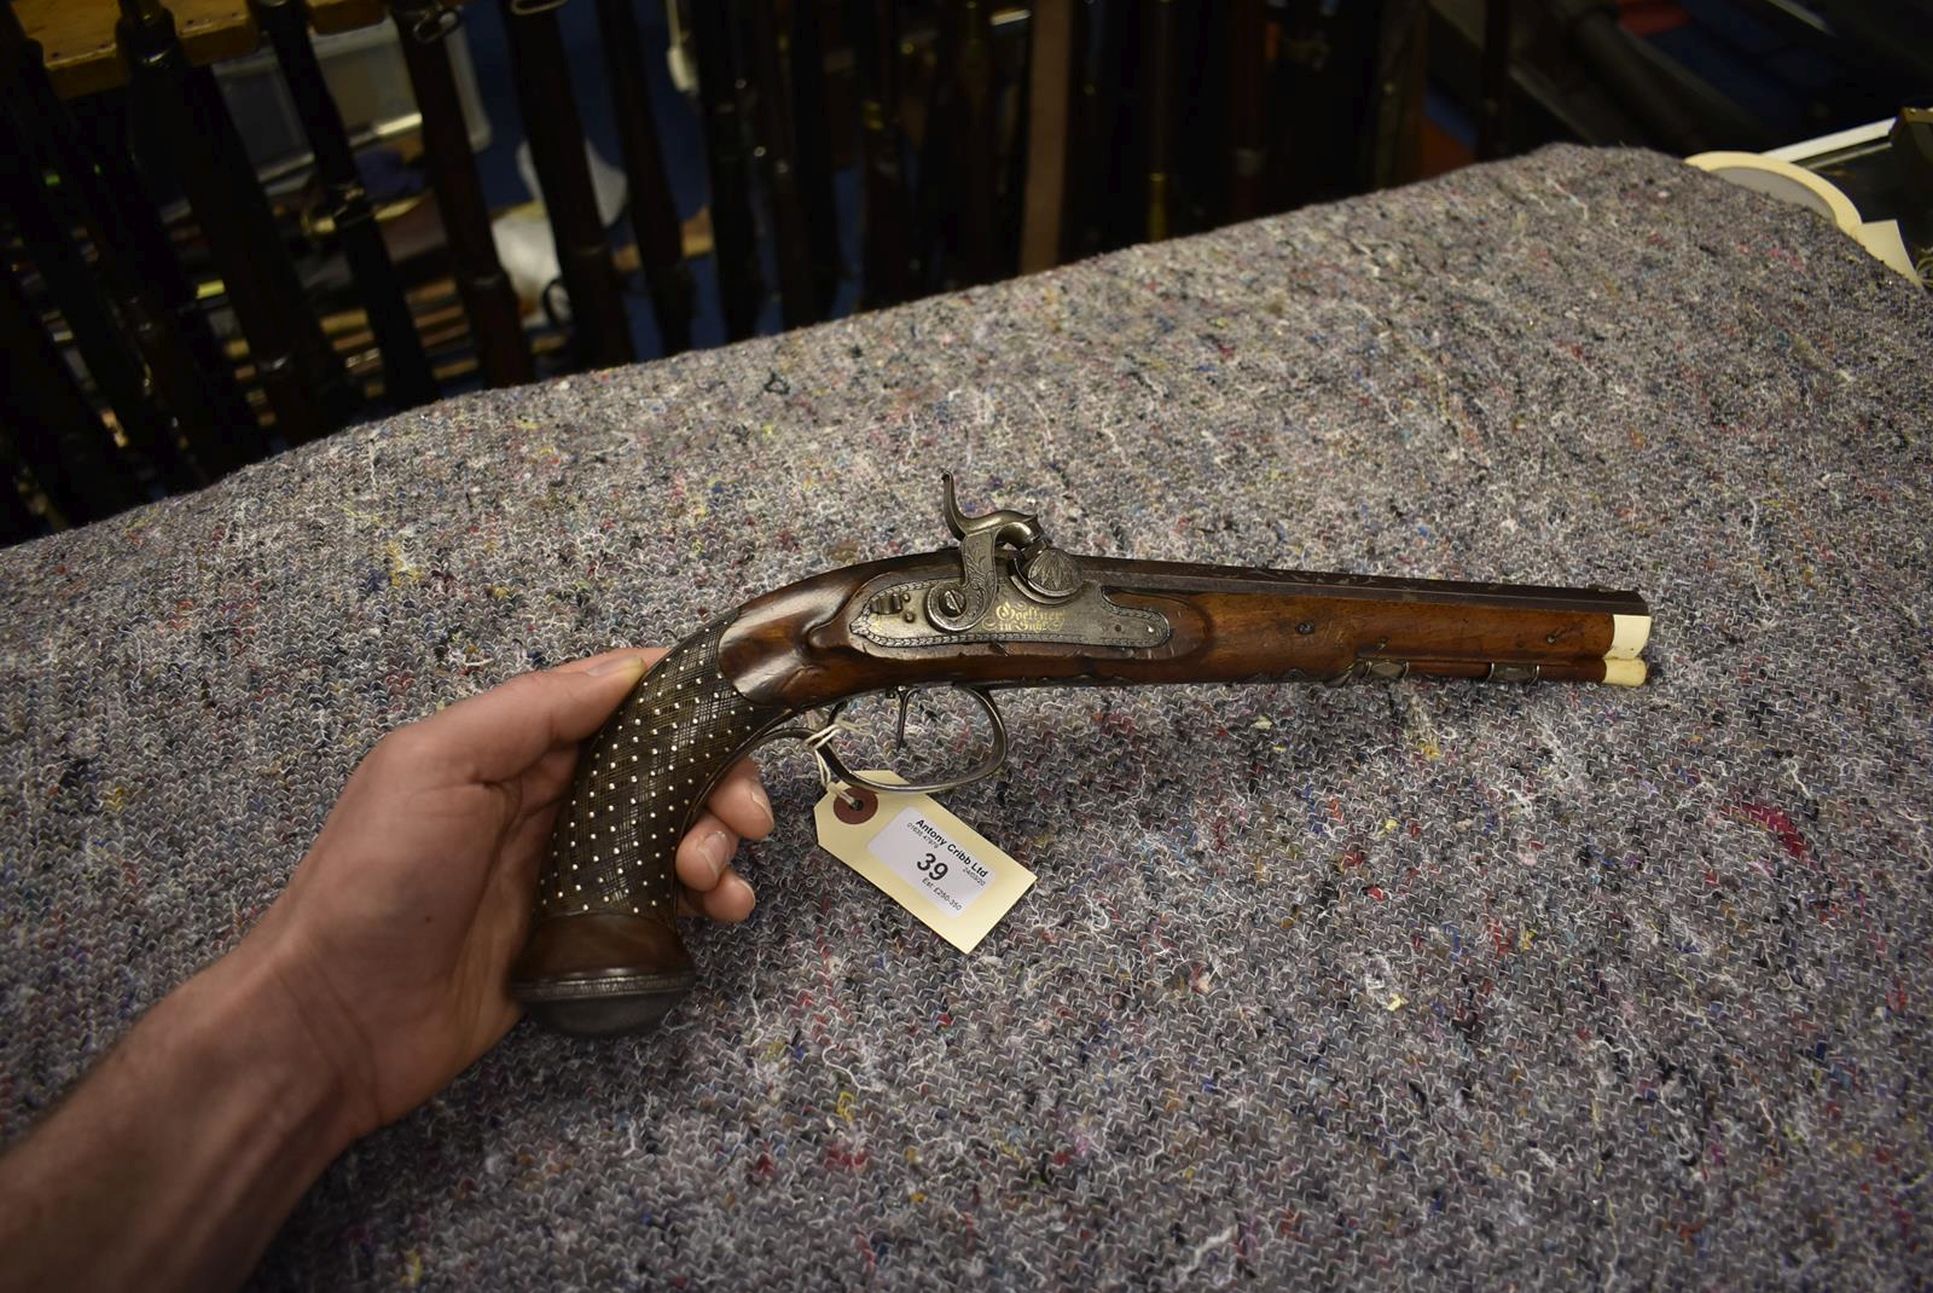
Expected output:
(174, 1162)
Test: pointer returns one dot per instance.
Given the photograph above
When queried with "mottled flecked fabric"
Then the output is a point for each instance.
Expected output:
(1445, 984)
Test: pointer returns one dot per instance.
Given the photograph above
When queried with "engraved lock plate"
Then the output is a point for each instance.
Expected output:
(897, 616)
(1013, 586)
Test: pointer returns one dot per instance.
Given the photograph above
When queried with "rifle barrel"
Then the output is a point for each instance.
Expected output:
(977, 141)
(1494, 80)
(873, 28)
(1247, 108)
(302, 377)
(136, 263)
(1158, 53)
(406, 368)
(654, 215)
(540, 72)
(776, 146)
(119, 376)
(733, 245)
(1101, 57)
(489, 301)
(812, 147)
(73, 458)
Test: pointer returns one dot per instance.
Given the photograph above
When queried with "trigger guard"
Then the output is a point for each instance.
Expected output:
(819, 739)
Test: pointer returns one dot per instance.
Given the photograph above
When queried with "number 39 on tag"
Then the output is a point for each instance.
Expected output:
(923, 857)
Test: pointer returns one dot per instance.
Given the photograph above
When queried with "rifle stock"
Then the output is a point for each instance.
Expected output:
(1005, 609)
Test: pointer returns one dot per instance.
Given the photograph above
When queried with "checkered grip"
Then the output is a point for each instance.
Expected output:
(640, 782)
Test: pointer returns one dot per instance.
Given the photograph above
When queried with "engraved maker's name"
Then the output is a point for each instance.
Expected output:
(1028, 619)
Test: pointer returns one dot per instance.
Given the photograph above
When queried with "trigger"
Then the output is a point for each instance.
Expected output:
(899, 729)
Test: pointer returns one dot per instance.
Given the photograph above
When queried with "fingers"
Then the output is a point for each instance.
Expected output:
(705, 852)
(739, 802)
(728, 903)
(650, 656)
(704, 869)
(502, 732)
(737, 810)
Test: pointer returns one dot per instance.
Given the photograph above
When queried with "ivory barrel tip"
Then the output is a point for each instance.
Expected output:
(1629, 633)
(1624, 673)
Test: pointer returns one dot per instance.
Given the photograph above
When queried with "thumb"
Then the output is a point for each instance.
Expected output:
(499, 734)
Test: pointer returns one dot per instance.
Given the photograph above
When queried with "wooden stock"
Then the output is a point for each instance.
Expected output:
(794, 647)
(604, 955)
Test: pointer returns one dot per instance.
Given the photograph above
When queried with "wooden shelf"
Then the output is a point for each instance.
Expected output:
(78, 35)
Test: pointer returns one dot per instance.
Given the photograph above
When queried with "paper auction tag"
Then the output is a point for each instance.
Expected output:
(926, 859)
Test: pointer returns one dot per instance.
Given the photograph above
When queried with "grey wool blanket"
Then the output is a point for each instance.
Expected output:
(1431, 983)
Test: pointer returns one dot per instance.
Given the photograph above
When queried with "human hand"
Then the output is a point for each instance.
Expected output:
(395, 935)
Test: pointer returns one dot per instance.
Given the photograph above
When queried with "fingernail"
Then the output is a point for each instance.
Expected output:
(763, 802)
(632, 663)
(717, 851)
